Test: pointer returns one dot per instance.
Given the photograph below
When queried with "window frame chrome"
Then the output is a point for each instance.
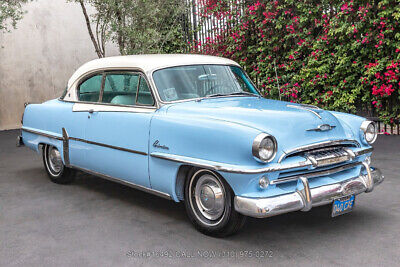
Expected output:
(75, 87)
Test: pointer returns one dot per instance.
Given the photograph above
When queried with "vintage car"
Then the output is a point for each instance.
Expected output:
(196, 129)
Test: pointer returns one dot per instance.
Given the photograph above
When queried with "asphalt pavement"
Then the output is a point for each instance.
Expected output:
(95, 222)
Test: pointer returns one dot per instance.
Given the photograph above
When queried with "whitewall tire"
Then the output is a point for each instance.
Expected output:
(55, 168)
(209, 204)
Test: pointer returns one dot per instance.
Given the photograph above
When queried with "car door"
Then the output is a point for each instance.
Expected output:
(75, 123)
(117, 128)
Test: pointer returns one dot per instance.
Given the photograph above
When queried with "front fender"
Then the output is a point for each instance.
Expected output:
(201, 139)
(352, 123)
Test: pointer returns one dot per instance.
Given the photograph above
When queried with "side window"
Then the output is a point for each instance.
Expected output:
(144, 94)
(89, 90)
(120, 88)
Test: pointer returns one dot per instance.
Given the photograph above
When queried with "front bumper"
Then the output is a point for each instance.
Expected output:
(304, 198)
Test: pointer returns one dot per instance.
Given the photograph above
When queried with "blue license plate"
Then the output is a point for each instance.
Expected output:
(343, 205)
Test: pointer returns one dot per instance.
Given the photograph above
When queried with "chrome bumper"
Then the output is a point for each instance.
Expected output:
(304, 198)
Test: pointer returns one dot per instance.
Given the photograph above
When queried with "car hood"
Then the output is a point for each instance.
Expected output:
(289, 123)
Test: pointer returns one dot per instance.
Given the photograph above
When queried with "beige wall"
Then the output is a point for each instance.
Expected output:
(37, 58)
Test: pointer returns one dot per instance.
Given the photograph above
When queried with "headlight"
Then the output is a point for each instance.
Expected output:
(370, 131)
(264, 147)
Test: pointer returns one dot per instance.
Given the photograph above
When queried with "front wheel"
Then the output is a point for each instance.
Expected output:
(209, 204)
(55, 168)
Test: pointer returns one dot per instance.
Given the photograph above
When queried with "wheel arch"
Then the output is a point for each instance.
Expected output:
(41, 145)
(183, 174)
(180, 180)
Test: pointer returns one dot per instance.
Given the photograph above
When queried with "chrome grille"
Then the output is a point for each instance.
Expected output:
(321, 145)
(294, 176)
(326, 161)
(328, 156)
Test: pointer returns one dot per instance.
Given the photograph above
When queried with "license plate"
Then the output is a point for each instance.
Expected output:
(343, 205)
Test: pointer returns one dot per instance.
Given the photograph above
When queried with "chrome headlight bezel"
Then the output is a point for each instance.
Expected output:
(256, 147)
(365, 126)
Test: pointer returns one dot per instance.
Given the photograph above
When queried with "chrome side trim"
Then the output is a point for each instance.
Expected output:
(108, 146)
(295, 201)
(104, 107)
(66, 139)
(65, 147)
(315, 174)
(41, 133)
(218, 166)
(136, 186)
(318, 145)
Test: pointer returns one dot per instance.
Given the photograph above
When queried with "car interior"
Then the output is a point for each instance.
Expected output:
(119, 89)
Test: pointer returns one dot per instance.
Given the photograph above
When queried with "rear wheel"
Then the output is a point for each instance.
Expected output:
(55, 168)
(209, 204)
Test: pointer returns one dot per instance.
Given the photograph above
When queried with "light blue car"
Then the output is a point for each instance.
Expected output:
(194, 128)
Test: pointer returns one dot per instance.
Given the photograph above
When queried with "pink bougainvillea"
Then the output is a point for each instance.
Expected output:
(340, 55)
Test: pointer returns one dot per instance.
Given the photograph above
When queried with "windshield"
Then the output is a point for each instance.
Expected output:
(188, 82)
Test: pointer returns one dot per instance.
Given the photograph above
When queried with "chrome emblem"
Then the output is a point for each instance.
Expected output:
(157, 144)
(323, 128)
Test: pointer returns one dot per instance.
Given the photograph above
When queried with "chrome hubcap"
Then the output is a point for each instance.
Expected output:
(209, 197)
(55, 161)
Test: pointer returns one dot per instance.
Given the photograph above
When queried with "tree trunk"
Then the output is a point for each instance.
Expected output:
(89, 27)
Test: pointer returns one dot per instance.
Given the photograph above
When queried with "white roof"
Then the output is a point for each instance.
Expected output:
(147, 63)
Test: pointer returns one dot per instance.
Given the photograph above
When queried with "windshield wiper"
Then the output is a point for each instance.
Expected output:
(216, 95)
(230, 94)
(243, 93)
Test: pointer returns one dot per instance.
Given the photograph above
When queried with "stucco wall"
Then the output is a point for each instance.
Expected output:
(37, 58)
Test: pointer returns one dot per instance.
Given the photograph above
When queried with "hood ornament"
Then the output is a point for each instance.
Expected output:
(323, 128)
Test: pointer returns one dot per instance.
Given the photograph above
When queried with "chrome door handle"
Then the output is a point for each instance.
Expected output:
(91, 111)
